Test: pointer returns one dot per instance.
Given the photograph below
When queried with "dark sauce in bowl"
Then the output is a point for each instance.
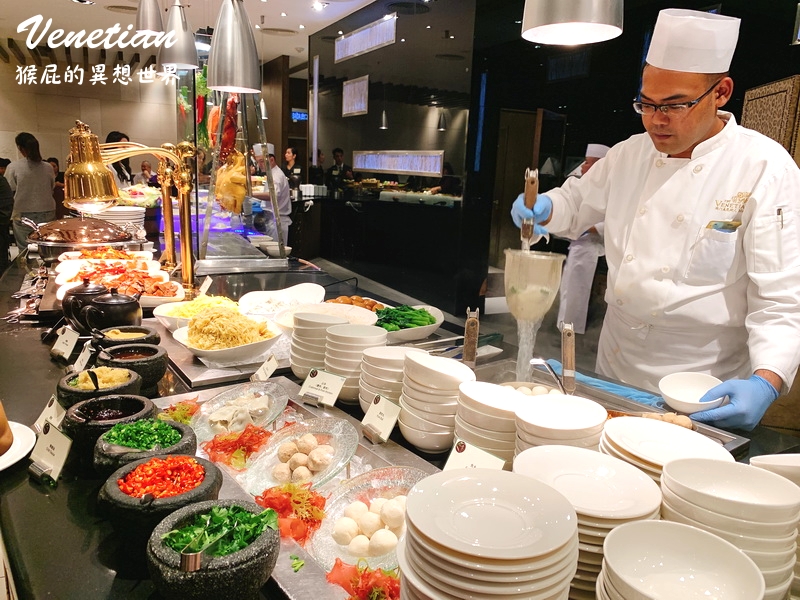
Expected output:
(132, 354)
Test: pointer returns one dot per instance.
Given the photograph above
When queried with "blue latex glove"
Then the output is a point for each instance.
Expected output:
(541, 212)
(749, 400)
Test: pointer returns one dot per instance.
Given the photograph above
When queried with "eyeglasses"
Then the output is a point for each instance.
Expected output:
(678, 109)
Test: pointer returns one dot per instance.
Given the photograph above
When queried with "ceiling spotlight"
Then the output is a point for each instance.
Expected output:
(387, 17)
(83, 1)
(283, 14)
(258, 26)
(402, 39)
(340, 32)
(318, 6)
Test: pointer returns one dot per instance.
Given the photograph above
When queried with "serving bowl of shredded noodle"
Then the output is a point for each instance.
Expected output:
(177, 314)
(223, 334)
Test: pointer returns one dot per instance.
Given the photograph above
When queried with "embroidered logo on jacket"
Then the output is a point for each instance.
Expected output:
(735, 204)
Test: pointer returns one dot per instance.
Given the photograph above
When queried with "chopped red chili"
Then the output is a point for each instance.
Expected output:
(163, 477)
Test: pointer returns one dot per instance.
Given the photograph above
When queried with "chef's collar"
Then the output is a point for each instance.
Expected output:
(715, 141)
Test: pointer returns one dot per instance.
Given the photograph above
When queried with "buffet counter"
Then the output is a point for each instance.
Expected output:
(57, 543)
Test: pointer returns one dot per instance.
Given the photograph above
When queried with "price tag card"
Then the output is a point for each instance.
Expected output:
(380, 419)
(321, 388)
(205, 285)
(51, 450)
(65, 343)
(266, 370)
(466, 456)
(84, 356)
(52, 412)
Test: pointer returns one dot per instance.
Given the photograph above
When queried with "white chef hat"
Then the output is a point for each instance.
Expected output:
(270, 149)
(693, 41)
(596, 150)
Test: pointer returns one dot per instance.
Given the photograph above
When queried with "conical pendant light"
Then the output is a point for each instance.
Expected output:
(233, 61)
(442, 122)
(148, 17)
(384, 121)
(573, 22)
(182, 54)
(263, 106)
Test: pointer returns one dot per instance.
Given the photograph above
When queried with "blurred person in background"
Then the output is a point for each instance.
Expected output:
(58, 190)
(123, 174)
(338, 172)
(145, 175)
(284, 202)
(6, 206)
(32, 181)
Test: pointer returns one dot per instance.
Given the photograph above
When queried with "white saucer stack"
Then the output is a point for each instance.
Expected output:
(122, 215)
(309, 334)
(486, 417)
(481, 533)
(604, 491)
(559, 419)
(344, 348)
(429, 400)
(650, 444)
(755, 510)
(382, 373)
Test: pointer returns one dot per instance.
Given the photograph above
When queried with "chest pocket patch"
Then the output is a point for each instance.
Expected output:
(714, 258)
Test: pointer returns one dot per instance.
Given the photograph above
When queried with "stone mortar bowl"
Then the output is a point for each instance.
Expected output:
(140, 516)
(109, 457)
(86, 421)
(147, 335)
(68, 395)
(149, 361)
(239, 575)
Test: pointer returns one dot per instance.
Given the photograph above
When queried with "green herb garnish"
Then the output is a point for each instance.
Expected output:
(144, 434)
(297, 562)
(228, 530)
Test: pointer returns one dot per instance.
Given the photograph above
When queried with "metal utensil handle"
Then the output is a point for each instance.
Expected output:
(540, 362)
(568, 357)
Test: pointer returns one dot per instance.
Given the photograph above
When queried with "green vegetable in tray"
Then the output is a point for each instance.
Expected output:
(403, 317)
(144, 434)
(221, 531)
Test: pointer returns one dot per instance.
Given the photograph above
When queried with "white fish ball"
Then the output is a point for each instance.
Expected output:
(382, 542)
(298, 459)
(369, 523)
(354, 510)
(286, 450)
(524, 389)
(281, 473)
(307, 443)
(319, 459)
(344, 530)
(392, 513)
(359, 546)
(301, 475)
(538, 390)
(376, 505)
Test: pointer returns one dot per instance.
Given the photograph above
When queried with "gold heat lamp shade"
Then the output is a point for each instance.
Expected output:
(89, 186)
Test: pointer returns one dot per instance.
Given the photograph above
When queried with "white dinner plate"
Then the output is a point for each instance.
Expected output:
(497, 514)
(24, 440)
(268, 302)
(597, 485)
(659, 442)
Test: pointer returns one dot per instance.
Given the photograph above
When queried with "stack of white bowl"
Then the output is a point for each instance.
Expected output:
(671, 561)
(604, 491)
(429, 400)
(480, 533)
(122, 215)
(344, 348)
(382, 373)
(559, 419)
(309, 333)
(649, 444)
(485, 417)
(753, 509)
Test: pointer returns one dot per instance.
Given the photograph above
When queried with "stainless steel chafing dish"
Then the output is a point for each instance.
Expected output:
(76, 233)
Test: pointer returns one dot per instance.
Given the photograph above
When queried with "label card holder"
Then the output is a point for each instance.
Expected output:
(380, 419)
(266, 370)
(466, 456)
(205, 286)
(65, 343)
(52, 412)
(49, 455)
(83, 358)
(321, 388)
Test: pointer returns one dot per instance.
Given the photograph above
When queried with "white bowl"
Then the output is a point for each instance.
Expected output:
(682, 391)
(561, 416)
(385, 374)
(241, 354)
(447, 420)
(490, 399)
(170, 322)
(347, 312)
(424, 397)
(437, 371)
(413, 419)
(274, 250)
(786, 465)
(496, 436)
(734, 489)
(340, 347)
(314, 320)
(363, 335)
(268, 302)
(417, 386)
(380, 382)
(304, 345)
(418, 333)
(584, 442)
(441, 408)
(425, 440)
(344, 355)
(370, 391)
(660, 559)
(389, 357)
(481, 419)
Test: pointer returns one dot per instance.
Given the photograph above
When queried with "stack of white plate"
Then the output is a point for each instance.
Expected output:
(344, 348)
(605, 492)
(309, 334)
(753, 509)
(559, 419)
(122, 215)
(485, 417)
(382, 373)
(660, 560)
(650, 444)
(429, 400)
(480, 533)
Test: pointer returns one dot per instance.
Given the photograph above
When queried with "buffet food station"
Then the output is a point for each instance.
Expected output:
(61, 541)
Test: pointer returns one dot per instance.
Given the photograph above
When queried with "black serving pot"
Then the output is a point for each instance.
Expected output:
(86, 421)
(78, 297)
(143, 333)
(239, 575)
(139, 516)
(68, 395)
(149, 361)
(111, 310)
(110, 457)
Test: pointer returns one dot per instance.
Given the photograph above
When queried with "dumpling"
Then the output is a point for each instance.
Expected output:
(228, 419)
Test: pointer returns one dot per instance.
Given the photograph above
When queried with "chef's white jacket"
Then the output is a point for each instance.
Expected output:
(683, 293)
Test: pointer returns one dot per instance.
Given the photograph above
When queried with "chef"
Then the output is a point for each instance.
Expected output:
(702, 237)
(578, 273)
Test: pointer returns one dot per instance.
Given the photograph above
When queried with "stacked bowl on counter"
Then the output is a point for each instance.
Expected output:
(485, 417)
(309, 335)
(382, 373)
(429, 400)
(605, 492)
(753, 509)
(344, 348)
(480, 533)
(560, 419)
